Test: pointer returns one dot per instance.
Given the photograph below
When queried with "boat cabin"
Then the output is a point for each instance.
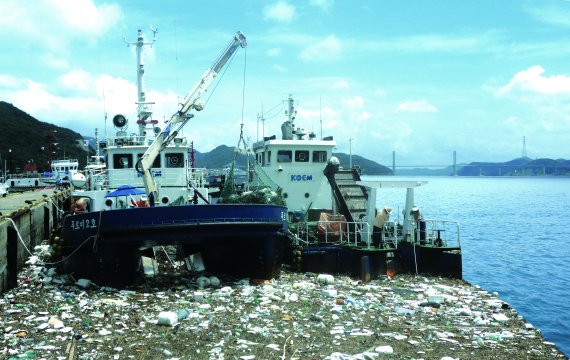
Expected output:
(295, 164)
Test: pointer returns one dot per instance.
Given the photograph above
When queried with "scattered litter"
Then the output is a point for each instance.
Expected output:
(296, 316)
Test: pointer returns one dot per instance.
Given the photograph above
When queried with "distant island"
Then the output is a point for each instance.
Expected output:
(523, 166)
(31, 150)
(223, 155)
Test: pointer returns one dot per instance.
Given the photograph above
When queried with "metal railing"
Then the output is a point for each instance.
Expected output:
(430, 232)
(436, 233)
(334, 232)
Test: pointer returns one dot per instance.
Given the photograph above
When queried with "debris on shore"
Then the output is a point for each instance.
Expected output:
(297, 316)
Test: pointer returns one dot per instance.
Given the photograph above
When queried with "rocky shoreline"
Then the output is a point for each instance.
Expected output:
(180, 315)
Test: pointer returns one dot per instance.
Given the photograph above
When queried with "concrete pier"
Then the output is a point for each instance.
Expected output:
(26, 219)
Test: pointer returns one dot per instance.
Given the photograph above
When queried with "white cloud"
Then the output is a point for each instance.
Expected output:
(380, 92)
(53, 61)
(323, 4)
(354, 111)
(416, 106)
(457, 43)
(354, 102)
(56, 23)
(63, 111)
(9, 81)
(554, 15)
(280, 11)
(512, 121)
(77, 80)
(532, 80)
(274, 52)
(280, 68)
(326, 50)
(340, 85)
(311, 119)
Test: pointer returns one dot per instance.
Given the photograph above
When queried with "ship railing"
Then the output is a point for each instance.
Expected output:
(391, 234)
(436, 233)
(196, 177)
(132, 140)
(63, 161)
(98, 179)
(25, 175)
(334, 232)
(162, 176)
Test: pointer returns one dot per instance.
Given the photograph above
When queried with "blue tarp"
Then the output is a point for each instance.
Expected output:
(125, 190)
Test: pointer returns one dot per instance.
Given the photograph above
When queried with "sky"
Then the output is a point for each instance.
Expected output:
(419, 78)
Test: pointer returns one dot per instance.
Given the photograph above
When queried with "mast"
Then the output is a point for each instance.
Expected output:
(143, 107)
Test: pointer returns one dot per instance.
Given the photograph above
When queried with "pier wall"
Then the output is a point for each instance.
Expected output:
(24, 228)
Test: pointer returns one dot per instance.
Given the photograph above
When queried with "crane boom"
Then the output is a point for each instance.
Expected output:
(192, 101)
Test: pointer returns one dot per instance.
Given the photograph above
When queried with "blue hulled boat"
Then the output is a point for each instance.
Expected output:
(145, 192)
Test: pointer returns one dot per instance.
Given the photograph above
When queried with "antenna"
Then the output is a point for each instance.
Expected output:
(262, 122)
(320, 115)
(350, 151)
(104, 106)
(154, 32)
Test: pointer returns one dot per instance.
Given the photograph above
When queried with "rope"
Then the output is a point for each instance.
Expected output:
(45, 262)
(19, 236)
(54, 204)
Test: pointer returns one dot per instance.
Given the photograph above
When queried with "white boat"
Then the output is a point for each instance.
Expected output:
(4, 189)
(332, 212)
(61, 172)
(60, 175)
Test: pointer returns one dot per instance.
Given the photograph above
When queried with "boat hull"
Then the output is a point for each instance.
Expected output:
(439, 261)
(236, 240)
(341, 259)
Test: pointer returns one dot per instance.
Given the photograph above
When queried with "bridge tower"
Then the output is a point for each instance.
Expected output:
(454, 163)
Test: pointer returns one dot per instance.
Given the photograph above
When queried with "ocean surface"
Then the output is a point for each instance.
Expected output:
(515, 236)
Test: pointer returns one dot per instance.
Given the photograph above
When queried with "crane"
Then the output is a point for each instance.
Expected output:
(192, 101)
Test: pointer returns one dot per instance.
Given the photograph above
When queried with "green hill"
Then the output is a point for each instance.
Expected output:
(30, 141)
(223, 156)
(367, 167)
(523, 166)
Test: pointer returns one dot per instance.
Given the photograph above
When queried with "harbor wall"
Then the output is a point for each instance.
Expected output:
(24, 228)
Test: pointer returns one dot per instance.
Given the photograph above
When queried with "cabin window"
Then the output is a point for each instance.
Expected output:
(155, 164)
(301, 155)
(284, 156)
(262, 159)
(122, 161)
(319, 156)
(174, 160)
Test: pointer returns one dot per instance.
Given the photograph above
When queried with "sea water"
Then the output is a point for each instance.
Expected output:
(515, 237)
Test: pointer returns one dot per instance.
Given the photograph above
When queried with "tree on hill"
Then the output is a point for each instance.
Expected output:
(517, 167)
(31, 141)
(223, 156)
(368, 167)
